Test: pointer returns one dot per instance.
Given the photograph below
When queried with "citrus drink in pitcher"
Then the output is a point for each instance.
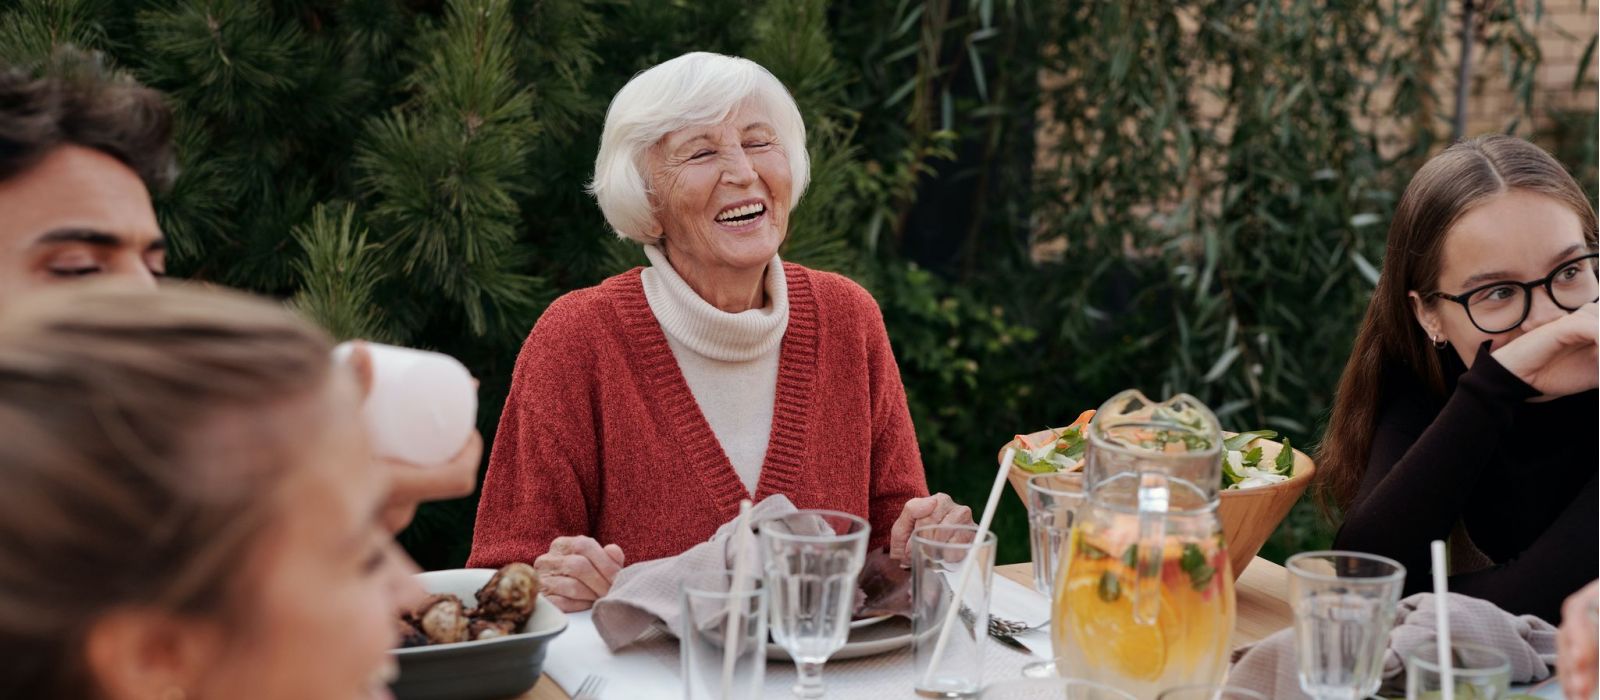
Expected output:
(1101, 638)
(1144, 600)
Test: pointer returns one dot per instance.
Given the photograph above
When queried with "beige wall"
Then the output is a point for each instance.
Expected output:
(1562, 35)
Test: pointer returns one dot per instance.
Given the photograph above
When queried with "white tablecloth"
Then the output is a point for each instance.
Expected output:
(649, 669)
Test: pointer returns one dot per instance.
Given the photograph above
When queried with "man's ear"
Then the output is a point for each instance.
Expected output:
(1427, 317)
(138, 654)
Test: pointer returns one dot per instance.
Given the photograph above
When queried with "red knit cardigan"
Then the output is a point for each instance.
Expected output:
(601, 436)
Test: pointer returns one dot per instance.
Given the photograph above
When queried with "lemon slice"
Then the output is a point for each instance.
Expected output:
(1107, 633)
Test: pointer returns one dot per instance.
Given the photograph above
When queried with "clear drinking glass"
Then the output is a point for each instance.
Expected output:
(1209, 692)
(811, 559)
(1053, 501)
(723, 658)
(940, 556)
(1479, 673)
(1343, 606)
(1052, 689)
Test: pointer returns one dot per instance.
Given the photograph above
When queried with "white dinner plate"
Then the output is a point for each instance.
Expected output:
(868, 621)
(876, 636)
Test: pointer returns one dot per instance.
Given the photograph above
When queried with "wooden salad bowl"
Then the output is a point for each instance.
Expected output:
(1248, 516)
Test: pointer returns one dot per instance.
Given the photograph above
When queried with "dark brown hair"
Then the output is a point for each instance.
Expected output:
(75, 99)
(1444, 190)
(142, 454)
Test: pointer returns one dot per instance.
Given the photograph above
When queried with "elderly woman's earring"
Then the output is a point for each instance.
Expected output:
(1439, 343)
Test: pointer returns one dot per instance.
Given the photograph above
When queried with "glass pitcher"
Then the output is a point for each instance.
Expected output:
(1145, 597)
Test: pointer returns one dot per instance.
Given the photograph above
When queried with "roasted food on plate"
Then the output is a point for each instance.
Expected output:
(504, 605)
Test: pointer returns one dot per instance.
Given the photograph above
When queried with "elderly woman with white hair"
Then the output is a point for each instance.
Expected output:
(643, 410)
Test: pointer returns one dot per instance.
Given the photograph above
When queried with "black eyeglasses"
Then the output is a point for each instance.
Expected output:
(1498, 307)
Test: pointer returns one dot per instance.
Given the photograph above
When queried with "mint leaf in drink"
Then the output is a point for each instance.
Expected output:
(1193, 562)
(1110, 587)
(1130, 556)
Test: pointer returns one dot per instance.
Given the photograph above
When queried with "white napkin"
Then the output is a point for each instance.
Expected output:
(630, 673)
(649, 591)
(1269, 666)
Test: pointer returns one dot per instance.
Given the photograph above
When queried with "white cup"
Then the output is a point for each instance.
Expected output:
(422, 405)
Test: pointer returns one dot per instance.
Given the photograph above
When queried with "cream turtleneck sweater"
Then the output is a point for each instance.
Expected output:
(730, 361)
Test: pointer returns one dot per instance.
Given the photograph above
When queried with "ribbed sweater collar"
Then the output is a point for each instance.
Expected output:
(706, 329)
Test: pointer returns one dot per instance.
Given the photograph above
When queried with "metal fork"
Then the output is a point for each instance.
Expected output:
(590, 689)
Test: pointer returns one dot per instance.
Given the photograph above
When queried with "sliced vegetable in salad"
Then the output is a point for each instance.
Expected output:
(1244, 466)
(1063, 452)
(1244, 463)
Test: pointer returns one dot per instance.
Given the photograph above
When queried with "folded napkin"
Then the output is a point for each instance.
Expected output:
(648, 592)
(1269, 666)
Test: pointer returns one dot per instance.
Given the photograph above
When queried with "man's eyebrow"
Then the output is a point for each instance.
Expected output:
(89, 236)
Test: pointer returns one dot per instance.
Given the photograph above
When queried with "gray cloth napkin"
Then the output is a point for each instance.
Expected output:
(648, 592)
(1269, 666)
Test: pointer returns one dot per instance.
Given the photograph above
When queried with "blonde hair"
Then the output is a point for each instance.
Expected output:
(121, 487)
(695, 89)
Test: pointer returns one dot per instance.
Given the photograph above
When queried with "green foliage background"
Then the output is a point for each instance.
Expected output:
(1218, 173)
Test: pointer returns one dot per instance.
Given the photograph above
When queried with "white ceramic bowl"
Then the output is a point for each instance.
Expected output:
(482, 670)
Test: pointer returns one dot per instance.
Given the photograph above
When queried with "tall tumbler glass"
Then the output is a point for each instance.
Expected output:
(1053, 501)
(940, 556)
(723, 643)
(811, 559)
(1477, 672)
(1344, 607)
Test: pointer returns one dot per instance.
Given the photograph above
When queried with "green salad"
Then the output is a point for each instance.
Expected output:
(1062, 453)
(1243, 465)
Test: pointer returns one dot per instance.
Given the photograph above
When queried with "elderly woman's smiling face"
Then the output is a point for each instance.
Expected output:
(721, 194)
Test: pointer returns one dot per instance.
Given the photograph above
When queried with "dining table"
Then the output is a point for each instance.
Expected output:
(1263, 608)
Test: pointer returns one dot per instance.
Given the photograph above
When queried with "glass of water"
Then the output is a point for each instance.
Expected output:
(1344, 606)
(949, 662)
(811, 559)
(722, 646)
(1478, 673)
(1053, 501)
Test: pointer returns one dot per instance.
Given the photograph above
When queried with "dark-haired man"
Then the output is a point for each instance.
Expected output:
(80, 152)
(79, 155)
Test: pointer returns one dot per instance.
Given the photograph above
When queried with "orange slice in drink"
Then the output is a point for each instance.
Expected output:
(1106, 630)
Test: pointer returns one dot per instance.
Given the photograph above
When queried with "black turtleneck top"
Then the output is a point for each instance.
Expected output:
(1518, 475)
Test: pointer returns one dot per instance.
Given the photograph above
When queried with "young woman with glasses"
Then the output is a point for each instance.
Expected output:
(1467, 411)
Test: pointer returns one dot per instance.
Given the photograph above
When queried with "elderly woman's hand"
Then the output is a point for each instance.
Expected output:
(1578, 643)
(937, 509)
(577, 571)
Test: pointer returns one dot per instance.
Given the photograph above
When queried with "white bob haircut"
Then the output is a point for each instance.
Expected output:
(695, 89)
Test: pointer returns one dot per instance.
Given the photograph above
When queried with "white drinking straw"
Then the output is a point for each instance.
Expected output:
(735, 610)
(967, 564)
(1441, 610)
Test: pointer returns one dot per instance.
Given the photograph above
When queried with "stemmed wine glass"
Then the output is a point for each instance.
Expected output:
(812, 559)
